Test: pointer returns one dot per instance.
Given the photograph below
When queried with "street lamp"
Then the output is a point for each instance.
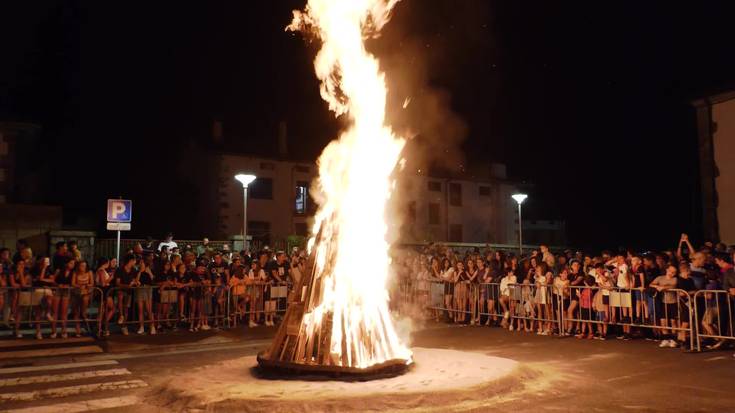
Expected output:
(245, 180)
(519, 198)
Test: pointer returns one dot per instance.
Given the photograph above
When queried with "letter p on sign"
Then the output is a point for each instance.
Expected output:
(119, 210)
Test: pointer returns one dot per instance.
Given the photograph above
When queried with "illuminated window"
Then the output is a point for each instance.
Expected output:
(302, 198)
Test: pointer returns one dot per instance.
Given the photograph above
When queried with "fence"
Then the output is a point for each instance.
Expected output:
(564, 309)
(51, 306)
(122, 306)
(106, 247)
(715, 309)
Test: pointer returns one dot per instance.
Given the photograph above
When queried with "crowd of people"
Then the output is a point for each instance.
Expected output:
(625, 294)
(159, 286)
(155, 285)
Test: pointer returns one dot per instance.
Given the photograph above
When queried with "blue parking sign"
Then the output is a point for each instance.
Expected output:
(119, 210)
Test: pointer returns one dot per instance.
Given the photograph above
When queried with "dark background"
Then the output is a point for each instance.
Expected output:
(588, 101)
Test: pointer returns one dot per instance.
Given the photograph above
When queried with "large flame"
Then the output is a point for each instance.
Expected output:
(354, 184)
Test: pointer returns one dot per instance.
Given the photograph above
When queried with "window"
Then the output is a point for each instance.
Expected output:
(267, 166)
(455, 233)
(261, 188)
(435, 186)
(485, 190)
(301, 229)
(455, 194)
(302, 197)
(434, 214)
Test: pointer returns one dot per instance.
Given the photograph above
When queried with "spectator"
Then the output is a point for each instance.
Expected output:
(724, 261)
(169, 243)
(61, 256)
(74, 251)
(585, 308)
(667, 312)
(204, 248)
(83, 282)
(506, 302)
(448, 276)
(143, 282)
(63, 280)
(256, 279)
(19, 279)
(105, 282)
(125, 278)
(5, 260)
(219, 277)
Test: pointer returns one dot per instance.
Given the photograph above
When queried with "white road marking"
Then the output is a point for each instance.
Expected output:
(20, 381)
(45, 352)
(63, 366)
(71, 390)
(81, 406)
(715, 358)
(25, 342)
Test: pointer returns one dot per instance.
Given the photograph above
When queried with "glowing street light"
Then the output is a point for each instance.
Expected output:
(519, 198)
(245, 180)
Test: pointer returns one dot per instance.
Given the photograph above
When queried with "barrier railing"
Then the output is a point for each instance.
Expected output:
(663, 311)
(51, 306)
(714, 309)
(564, 310)
(250, 299)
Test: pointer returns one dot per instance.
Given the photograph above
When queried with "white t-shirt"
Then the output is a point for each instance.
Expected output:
(170, 244)
(508, 279)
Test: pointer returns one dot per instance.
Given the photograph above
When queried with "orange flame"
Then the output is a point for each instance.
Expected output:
(354, 185)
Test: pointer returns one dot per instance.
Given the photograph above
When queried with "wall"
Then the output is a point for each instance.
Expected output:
(723, 117)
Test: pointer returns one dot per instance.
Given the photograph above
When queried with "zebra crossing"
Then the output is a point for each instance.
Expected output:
(45, 377)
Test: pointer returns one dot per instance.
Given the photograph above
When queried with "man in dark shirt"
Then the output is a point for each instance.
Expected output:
(219, 276)
(650, 272)
(124, 278)
(727, 280)
(61, 256)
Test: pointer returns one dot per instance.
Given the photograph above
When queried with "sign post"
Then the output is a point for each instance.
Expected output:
(119, 217)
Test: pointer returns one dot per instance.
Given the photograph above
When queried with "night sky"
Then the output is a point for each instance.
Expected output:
(589, 101)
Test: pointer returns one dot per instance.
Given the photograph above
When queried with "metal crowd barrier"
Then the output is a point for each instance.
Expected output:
(646, 309)
(549, 306)
(40, 306)
(241, 299)
(714, 309)
(532, 302)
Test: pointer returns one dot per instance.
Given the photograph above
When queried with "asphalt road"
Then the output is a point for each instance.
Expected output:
(125, 373)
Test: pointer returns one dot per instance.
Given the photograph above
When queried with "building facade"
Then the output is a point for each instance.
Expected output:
(716, 136)
(278, 200)
(423, 208)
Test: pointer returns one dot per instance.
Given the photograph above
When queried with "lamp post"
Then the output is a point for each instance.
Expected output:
(519, 198)
(245, 180)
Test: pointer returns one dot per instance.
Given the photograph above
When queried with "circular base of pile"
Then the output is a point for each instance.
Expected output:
(283, 370)
(438, 381)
